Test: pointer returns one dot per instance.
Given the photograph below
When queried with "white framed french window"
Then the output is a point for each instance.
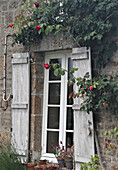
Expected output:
(57, 107)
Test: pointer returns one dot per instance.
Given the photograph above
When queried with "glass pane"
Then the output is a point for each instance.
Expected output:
(70, 90)
(53, 117)
(69, 139)
(69, 121)
(70, 66)
(51, 72)
(54, 93)
(52, 137)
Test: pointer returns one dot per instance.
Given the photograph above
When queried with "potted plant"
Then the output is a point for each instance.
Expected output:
(69, 158)
(59, 153)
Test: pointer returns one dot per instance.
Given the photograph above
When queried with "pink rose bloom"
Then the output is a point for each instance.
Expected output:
(91, 88)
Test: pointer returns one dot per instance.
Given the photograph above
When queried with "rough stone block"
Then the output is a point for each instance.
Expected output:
(36, 105)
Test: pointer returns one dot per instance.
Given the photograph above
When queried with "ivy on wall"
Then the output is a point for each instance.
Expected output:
(87, 22)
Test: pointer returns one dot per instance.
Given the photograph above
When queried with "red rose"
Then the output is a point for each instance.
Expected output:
(46, 66)
(106, 140)
(72, 84)
(36, 4)
(11, 25)
(91, 88)
(106, 145)
(38, 28)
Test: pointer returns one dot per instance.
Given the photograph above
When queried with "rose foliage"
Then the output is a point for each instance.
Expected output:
(87, 22)
(94, 93)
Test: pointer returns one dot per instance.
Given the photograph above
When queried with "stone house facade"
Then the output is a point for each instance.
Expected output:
(51, 45)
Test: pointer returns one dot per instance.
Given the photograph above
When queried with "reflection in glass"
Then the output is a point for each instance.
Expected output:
(51, 71)
(54, 93)
(69, 121)
(52, 137)
(69, 139)
(70, 66)
(53, 117)
(70, 90)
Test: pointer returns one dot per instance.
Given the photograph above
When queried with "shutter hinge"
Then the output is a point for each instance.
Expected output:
(31, 60)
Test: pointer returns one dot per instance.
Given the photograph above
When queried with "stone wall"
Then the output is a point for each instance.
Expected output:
(8, 10)
(103, 120)
(37, 79)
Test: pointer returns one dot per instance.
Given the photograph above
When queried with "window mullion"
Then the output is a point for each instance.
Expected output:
(62, 103)
(45, 106)
(65, 101)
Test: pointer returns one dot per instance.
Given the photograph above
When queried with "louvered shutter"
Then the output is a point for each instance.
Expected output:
(20, 103)
(83, 133)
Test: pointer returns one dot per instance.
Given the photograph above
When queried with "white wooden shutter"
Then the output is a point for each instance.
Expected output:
(83, 133)
(20, 103)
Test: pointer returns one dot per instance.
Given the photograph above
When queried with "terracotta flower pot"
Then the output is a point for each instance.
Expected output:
(42, 162)
(31, 166)
(114, 168)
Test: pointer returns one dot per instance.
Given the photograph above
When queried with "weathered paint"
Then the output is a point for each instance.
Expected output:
(83, 132)
(20, 103)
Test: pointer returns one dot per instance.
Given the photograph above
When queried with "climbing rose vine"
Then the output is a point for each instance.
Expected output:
(95, 93)
(87, 22)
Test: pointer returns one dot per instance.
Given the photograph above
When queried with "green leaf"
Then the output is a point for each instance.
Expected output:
(109, 132)
(72, 80)
(116, 135)
(87, 75)
(72, 71)
(115, 129)
(56, 72)
(76, 69)
(50, 28)
(28, 5)
(58, 26)
(47, 31)
(39, 32)
(105, 133)
(62, 72)
(79, 79)
(99, 36)
(55, 65)
(22, 6)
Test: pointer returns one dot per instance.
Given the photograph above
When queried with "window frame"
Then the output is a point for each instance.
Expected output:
(64, 55)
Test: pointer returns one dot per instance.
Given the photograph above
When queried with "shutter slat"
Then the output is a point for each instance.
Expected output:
(19, 106)
(19, 61)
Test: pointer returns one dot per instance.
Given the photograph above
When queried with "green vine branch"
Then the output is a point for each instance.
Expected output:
(95, 93)
(87, 22)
